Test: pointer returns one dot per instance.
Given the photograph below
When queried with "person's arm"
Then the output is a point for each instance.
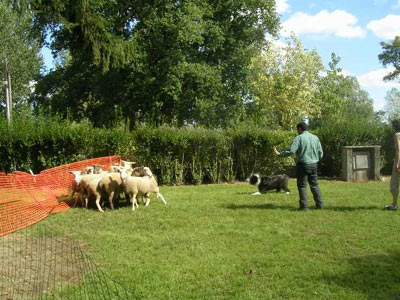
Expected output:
(320, 151)
(397, 144)
(289, 151)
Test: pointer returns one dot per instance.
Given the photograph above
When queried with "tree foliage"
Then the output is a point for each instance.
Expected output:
(285, 82)
(341, 96)
(391, 56)
(160, 61)
(21, 48)
(392, 104)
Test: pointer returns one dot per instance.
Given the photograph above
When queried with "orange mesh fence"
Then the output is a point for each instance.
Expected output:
(26, 199)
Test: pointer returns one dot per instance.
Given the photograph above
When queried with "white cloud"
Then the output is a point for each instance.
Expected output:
(338, 22)
(282, 6)
(374, 79)
(387, 27)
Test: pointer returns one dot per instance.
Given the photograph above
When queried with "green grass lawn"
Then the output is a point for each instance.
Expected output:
(219, 242)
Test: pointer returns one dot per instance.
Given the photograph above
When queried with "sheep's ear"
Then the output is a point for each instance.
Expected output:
(128, 163)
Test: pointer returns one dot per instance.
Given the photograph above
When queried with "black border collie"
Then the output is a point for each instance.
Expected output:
(266, 183)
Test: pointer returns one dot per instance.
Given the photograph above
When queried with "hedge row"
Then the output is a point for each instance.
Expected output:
(354, 133)
(177, 156)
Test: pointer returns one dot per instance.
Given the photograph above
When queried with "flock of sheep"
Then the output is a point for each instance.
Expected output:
(94, 182)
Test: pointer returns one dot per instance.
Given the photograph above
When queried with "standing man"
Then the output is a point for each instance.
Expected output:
(394, 180)
(308, 151)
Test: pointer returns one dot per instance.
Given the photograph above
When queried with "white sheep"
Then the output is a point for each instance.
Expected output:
(75, 185)
(95, 185)
(110, 184)
(88, 186)
(95, 169)
(115, 168)
(140, 186)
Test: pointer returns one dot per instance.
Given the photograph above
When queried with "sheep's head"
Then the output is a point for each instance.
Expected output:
(88, 170)
(123, 174)
(97, 169)
(115, 169)
(138, 171)
(142, 171)
(77, 175)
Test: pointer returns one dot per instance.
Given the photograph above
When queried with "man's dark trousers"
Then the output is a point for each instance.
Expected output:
(308, 173)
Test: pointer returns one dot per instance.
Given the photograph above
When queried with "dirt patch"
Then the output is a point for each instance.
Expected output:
(34, 265)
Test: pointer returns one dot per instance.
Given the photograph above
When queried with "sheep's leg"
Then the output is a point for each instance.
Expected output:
(134, 202)
(128, 198)
(110, 199)
(161, 197)
(79, 197)
(147, 197)
(84, 199)
(98, 197)
(76, 199)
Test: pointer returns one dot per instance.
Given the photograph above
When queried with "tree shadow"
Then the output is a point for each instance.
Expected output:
(376, 276)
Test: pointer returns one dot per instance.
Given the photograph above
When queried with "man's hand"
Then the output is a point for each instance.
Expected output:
(276, 151)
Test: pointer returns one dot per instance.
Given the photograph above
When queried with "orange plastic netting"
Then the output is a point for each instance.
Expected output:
(26, 199)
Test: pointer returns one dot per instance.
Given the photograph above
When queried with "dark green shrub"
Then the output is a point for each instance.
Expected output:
(37, 143)
(253, 151)
(179, 155)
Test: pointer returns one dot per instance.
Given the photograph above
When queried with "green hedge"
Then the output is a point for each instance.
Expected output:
(39, 143)
(208, 156)
(178, 156)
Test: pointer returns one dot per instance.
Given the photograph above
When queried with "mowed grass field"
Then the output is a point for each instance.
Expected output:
(219, 242)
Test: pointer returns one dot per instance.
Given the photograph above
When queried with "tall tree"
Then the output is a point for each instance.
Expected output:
(21, 48)
(164, 61)
(285, 83)
(392, 104)
(391, 56)
(341, 96)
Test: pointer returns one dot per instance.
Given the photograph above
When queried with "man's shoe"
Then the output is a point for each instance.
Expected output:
(318, 207)
(391, 207)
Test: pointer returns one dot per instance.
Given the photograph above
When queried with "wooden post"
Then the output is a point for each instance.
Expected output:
(7, 90)
(9, 97)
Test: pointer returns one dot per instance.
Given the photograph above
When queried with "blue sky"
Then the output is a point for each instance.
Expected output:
(353, 30)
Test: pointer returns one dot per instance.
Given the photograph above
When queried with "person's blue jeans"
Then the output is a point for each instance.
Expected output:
(308, 173)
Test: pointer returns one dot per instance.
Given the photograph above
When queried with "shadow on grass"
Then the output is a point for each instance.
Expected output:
(259, 206)
(265, 193)
(352, 208)
(376, 276)
(274, 206)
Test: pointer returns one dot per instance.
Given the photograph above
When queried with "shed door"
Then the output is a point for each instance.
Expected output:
(361, 166)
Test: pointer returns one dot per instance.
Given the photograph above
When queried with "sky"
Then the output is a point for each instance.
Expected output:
(353, 30)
